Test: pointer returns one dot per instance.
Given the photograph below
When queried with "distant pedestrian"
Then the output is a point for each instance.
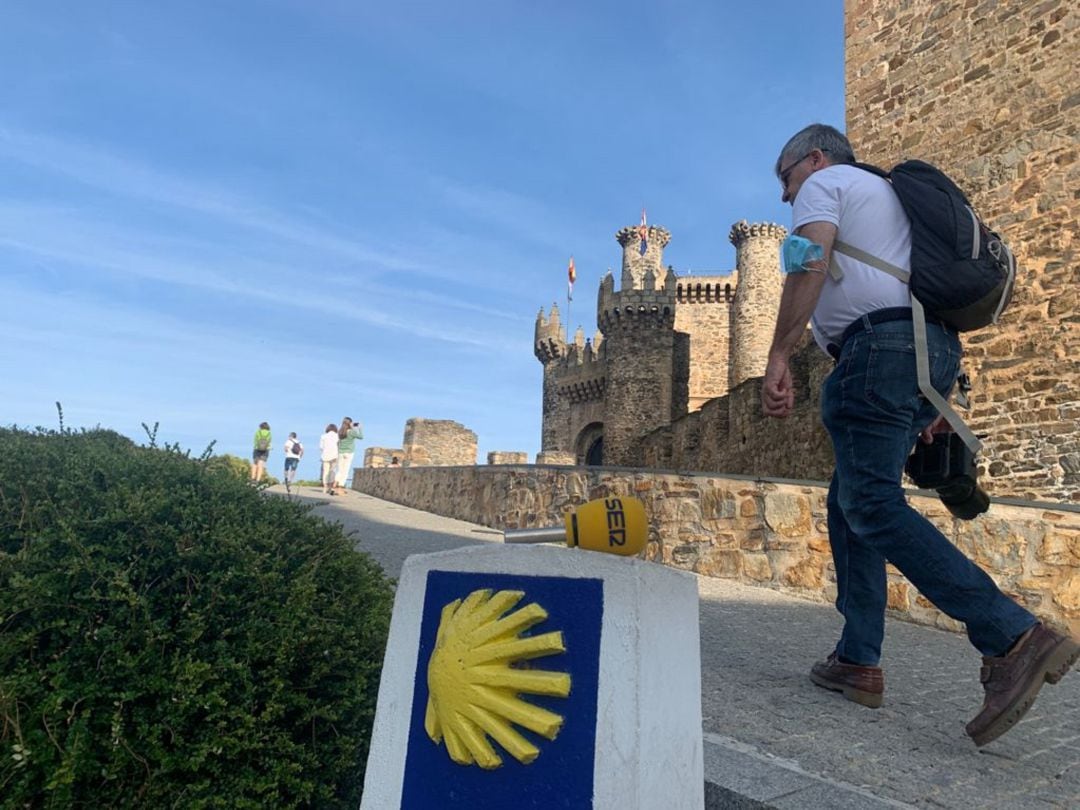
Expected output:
(328, 454)
(294, 451)
(349, 432)
(395, 461)
(261, 452)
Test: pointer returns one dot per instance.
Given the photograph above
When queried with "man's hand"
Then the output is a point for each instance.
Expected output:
(939, 425)
(777, 391)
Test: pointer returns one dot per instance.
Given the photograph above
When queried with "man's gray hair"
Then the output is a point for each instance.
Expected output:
(816, 136)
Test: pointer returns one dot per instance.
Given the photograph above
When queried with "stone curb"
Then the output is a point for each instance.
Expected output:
(738, 777)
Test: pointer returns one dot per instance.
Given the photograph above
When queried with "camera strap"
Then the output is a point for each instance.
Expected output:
(922, 366)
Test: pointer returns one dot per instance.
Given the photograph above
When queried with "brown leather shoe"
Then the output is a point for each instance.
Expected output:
(863, 685)
(1013, 681)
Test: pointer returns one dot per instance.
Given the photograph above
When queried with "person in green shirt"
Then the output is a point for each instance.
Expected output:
(348, 433)
(261, 452)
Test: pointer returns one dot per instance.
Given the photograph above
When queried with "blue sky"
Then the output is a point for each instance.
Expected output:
(215, 214)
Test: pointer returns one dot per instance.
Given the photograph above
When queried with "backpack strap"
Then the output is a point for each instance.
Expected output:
(861, 255)
(918, 320)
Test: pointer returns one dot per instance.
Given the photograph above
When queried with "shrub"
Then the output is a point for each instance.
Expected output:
(238, 467)
(172, 637)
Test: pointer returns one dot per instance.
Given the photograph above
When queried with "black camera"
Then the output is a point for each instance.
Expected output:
(948, 467)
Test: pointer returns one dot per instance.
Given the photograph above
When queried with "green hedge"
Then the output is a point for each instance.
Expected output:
(171, 636)
(240, 468)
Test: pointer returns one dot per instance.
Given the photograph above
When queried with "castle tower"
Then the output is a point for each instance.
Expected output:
(646, 365)
(757, 297)
(634, 263)
(550, 348)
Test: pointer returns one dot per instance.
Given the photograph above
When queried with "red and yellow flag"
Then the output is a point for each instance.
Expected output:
(571, 275)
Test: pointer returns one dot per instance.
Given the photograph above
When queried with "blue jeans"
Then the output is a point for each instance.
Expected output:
(873, 411)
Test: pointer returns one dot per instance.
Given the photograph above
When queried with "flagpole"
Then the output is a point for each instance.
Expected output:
(571, 276)
(569, 302)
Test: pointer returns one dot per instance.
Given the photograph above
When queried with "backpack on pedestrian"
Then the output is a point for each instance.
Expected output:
(961, 274)
(262, 442)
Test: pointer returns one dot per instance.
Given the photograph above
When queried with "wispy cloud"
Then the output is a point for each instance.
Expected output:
(63, 236)
(125, 177)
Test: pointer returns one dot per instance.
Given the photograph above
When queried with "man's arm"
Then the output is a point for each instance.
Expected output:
(797, 301)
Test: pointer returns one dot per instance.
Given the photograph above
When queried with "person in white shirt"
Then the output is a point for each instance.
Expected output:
(294, 451)
(872, 407)
(328, 454)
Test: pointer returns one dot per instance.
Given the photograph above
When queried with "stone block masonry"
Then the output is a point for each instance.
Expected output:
(382, 456)
(766, 533)
(988, 91)
(438, 442)
(507, 457)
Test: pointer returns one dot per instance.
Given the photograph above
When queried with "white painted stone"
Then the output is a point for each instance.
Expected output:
(648, 751)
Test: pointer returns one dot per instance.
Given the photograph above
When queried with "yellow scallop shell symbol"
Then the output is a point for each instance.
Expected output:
(474, 685)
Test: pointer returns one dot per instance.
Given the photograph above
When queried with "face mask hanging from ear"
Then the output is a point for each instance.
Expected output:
(797, 252)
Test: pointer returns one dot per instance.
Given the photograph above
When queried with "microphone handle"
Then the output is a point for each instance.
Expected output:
(548, 534)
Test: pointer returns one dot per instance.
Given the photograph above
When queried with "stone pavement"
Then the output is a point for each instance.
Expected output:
(772, 739)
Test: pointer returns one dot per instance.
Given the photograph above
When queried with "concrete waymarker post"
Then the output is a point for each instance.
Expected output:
(539, 677)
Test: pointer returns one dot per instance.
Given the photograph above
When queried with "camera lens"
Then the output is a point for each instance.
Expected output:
(964, 499)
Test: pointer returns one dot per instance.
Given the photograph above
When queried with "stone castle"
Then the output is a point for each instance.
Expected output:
(665, 346)
(988, 92)
(670, 380)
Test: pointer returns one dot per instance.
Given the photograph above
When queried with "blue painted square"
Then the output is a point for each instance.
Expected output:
(562, 775)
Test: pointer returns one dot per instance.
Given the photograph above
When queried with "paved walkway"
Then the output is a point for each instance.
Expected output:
(772, 739)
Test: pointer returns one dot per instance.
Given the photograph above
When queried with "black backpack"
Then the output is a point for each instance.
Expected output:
(961, 271)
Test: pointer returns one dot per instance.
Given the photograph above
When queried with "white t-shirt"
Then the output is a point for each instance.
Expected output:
(292, 448)
(867, 215)
(328, 446)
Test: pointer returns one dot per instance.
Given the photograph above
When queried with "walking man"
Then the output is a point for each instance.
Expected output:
(874, 414)
(294, 451)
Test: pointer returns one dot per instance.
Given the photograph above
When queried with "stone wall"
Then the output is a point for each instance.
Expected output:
(507, 457)
(555, 457)
(730, 433)
(765, 533)
(438, 443)
(703, 312)
(988, 91)
(382, 456)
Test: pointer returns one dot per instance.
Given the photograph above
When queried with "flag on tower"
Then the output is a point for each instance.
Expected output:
(571, 275)
(643, 232)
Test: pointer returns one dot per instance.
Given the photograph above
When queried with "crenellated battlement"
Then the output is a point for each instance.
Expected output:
(581, 374)
(706, 289)
(583, 352)
(630, 236)
(635, 264)
(548, 341)
(648, 306)
(743, 230)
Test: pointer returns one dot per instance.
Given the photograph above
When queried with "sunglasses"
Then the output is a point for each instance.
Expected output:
(785, 175)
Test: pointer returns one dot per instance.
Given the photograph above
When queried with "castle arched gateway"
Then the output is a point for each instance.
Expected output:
(589, 447)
